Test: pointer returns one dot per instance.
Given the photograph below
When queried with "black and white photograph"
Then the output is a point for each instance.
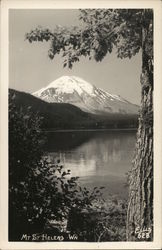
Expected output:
(81, 108)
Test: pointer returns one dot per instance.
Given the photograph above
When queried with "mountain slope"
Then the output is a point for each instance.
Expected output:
(66, 116)
(76, 91)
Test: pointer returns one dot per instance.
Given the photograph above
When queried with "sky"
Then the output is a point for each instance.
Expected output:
(30, 68)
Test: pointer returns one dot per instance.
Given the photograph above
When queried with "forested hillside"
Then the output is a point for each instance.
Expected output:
(66, 116)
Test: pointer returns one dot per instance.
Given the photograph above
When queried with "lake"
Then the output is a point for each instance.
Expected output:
(99, 158)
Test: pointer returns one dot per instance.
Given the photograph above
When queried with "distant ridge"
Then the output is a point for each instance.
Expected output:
(65, 116)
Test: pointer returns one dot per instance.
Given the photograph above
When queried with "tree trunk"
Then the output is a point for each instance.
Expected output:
(140, 204)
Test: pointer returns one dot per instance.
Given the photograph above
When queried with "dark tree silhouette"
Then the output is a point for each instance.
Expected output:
(127, 31)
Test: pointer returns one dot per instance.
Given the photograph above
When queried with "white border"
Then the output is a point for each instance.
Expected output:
(68, 4)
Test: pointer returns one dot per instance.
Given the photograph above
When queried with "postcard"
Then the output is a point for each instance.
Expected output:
(81, 124)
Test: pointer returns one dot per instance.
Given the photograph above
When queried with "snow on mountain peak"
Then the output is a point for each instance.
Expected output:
(69, 84)
(87, 87)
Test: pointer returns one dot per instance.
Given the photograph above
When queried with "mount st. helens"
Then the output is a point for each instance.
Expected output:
(76, 91)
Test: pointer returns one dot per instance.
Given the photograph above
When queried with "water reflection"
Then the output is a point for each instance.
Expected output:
(98, 158)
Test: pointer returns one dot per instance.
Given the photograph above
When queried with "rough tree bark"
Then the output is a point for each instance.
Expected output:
(140, 205)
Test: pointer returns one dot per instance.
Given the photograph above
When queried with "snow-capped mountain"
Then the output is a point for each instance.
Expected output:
(76, 91)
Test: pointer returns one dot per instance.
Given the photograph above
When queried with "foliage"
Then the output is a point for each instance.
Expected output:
(24, 154)
(101, 31)
(24, 139)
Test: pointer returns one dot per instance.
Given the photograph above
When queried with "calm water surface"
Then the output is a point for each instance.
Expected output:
(99, 158)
